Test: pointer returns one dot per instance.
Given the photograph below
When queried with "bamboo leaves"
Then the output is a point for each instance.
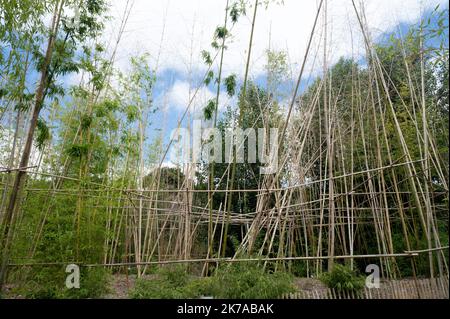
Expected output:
(43, 134)
(209, 109)
(230, 84)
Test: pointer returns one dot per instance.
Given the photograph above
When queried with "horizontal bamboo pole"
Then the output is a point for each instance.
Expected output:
(427, 250)
(414, 253)
(8, 170)
(218, 260)
(262, 190)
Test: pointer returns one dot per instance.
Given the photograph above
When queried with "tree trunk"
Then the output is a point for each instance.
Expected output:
(21, 173)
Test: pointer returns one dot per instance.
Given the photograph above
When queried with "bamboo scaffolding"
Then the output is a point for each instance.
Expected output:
(319, 205)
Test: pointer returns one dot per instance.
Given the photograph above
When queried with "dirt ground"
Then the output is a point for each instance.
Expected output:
(309, 284)
(121, 285)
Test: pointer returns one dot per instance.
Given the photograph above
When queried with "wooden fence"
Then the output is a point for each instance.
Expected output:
(434, 288)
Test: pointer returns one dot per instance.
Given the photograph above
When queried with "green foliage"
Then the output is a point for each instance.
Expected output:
(343, 278)
(215, 45)
(132, 112)
(276, 68)
(87, 24)
(60, 242)
(237, 280)
(237, 9)
(170, 283)
(49, 283)
(43, 134)
(248, 280)
(77, 150)
(3, 92)
(86, 121)
(206, 57)
(209, 77)
(221, 33)
(230, 84)
(209, 109)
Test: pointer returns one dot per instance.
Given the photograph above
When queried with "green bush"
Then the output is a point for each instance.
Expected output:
(170, 283)
(249, 281)
(237, 280)
(343, 278)
(49, 283)
(156, 289)
(94, 283)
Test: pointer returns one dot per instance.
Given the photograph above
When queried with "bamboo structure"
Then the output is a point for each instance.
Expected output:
(316, 209)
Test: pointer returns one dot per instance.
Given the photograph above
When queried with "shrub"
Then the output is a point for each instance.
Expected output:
(156, 289)
(47, 283)
(249, 281)
(170, 283)
(94, 283)
(237, 280)
(343, 278)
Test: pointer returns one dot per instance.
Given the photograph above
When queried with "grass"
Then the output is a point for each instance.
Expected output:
(233, 281)
(343, 278)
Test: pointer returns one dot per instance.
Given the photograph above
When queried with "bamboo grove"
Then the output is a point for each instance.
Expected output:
(362, 159)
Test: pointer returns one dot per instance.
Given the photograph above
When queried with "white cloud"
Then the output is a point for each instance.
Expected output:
(180, 94)
(189, 26)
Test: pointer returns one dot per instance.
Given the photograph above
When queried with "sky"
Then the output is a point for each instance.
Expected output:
(188, 27)
(174, 32)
